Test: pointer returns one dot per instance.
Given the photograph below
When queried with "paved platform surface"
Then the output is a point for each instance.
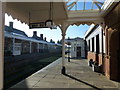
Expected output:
(78, 75)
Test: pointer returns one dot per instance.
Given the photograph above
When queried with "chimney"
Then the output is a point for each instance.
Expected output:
(51, 40)
(41, 36)
(11, 24)
(34, 33)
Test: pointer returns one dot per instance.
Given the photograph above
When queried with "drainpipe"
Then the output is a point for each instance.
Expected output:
(38, 47)
(30, 47)
(13, 47)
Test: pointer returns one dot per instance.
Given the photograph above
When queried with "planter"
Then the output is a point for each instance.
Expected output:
(95, 68)
(90, 63)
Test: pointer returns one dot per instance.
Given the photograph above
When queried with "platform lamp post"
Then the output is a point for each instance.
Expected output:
(76, 47)
(69, 51)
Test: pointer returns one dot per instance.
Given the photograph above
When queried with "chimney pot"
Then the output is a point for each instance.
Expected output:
(45, 38)
(41, 35)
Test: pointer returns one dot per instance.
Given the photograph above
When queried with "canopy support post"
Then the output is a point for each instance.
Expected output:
(2, 20)
(63, 30)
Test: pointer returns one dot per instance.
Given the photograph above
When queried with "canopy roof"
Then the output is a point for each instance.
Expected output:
(87, 11)
(36, 11)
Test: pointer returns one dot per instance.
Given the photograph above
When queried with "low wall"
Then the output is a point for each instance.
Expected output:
(106, 67)
(100, 59)
(95, 57)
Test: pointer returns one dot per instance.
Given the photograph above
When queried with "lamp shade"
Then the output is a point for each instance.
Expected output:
(49, 23)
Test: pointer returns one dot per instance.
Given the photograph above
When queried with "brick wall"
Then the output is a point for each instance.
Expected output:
(112, 60)
(100, 59)
(95, 57)
(91, 55)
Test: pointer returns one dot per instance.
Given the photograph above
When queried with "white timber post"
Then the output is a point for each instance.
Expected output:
(102, 24)
(2, 20)
(63, 30)
(30, 47)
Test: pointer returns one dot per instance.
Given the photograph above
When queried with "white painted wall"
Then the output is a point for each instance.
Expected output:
(74, 45)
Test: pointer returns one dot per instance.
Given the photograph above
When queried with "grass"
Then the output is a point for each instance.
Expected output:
(26, 70)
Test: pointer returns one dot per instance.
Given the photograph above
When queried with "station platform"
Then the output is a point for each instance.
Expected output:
(78, 76)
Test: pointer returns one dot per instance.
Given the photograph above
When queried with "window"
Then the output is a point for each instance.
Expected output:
(89, 45)
(74, 48)
(97, 44)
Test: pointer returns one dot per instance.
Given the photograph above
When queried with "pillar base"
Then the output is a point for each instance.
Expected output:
(63, 70)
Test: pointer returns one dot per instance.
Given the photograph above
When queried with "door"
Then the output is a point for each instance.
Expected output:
(114, 54)
(78, 51)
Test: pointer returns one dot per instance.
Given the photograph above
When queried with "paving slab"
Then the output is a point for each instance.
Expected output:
(78, 76)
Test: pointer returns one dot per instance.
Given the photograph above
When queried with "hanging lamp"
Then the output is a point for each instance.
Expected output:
(49, 22)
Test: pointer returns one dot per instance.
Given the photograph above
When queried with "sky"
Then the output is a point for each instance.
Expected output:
(54, 34)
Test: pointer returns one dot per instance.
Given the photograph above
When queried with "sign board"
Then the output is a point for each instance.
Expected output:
(40, 25)
(54, 27)
(37, 25)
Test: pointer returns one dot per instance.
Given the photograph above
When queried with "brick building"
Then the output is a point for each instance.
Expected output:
(95, 43)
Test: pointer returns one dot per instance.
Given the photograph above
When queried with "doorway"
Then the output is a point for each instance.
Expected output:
(114, 54)
(97, 47)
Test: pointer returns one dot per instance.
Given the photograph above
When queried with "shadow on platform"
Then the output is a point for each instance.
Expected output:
(82, 82)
